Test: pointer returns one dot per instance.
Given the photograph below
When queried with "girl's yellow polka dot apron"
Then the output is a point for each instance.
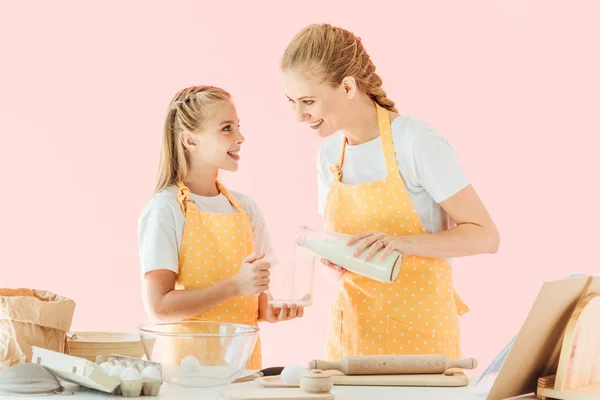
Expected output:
(416, 314)
(212, 249)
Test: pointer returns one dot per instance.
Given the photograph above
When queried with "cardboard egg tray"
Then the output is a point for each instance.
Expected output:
(134, 388)
(90, 375)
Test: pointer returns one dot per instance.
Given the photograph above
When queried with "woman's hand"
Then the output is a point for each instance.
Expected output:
(375, 241)
(335, 267)
(333, 271)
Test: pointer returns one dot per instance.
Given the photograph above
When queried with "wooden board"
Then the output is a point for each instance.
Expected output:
(538, 336)
(586, 393)
(579, 363)
(433, 380)
(552, 364)
(273, 394)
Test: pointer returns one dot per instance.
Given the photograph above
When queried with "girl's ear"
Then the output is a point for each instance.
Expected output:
(189, 141)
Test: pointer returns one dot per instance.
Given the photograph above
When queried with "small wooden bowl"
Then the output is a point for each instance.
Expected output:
(316, 381)
(89, 345)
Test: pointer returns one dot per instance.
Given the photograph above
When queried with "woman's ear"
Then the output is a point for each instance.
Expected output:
(349, 86)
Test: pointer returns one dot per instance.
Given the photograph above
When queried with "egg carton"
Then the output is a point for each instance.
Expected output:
(131, 387)
(98, 376)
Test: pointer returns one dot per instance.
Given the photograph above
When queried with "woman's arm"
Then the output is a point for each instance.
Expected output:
(432, 164)
(474, 233)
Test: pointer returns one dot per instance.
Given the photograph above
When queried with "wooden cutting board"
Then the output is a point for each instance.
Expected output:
(454, 379)
(273, 394)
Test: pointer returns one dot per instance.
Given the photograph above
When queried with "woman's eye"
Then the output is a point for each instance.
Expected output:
(227, 128)
(308, 102)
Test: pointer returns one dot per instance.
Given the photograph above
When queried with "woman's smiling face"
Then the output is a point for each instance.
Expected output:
(317, 104)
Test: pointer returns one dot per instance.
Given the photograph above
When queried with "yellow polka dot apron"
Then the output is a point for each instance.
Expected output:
(419, 312)
(212, 249)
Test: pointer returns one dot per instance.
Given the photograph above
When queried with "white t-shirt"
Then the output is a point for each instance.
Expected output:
(161, 227)
(426, 160)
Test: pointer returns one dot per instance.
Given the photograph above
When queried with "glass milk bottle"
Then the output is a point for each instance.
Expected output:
(333, 246)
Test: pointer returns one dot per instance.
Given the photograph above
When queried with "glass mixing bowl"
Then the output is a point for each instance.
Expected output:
(199, 353)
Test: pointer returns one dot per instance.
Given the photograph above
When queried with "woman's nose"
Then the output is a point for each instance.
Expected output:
(300, 115)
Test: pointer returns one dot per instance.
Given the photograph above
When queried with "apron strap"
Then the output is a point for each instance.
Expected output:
(184, 198)
(230, 197)
(385, 131)
(336, 169)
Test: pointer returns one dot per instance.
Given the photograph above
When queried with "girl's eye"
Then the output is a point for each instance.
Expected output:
(308, 102)
(227, 128)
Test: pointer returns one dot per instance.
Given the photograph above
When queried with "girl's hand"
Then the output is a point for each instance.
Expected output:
(268, 313)
(253, 276)
(285, 313)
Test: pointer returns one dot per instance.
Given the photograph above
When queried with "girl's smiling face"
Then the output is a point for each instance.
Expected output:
(219, 140)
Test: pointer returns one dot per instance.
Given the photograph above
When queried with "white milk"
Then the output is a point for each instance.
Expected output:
(338, 252)
(277, 303)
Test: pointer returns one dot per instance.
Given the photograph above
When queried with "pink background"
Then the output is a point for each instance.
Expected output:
(84, 87)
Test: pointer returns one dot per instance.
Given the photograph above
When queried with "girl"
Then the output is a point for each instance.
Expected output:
(205, 251)
(392, 182)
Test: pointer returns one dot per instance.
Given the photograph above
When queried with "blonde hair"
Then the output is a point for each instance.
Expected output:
(188, 110)
(334, 53)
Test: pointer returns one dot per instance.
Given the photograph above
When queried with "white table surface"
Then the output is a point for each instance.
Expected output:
(169, 391)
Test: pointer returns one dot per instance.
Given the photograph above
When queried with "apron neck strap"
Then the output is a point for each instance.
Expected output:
(230, 197)
(184, 197)
(385, 132)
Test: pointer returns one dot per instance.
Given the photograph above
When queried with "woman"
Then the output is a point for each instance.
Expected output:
(392, 182)
(205, 251)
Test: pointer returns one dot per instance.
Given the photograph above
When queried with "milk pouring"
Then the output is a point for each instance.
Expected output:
(291, 279)
(333, 247)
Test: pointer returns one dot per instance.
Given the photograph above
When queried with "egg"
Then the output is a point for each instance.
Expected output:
(106, 367)
(190, 364)
(131, 374)
(116, 371)
(139, 366)
(292, 374)
(151, 373)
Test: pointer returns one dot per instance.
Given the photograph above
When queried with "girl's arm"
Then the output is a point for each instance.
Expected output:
(163, 302)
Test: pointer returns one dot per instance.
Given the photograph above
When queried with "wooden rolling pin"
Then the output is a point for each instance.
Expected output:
(392, 365)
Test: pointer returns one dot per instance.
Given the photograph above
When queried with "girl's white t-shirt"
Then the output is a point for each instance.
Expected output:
(161, 224)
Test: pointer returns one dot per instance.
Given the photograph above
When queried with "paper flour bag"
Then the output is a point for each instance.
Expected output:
(31, 317)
